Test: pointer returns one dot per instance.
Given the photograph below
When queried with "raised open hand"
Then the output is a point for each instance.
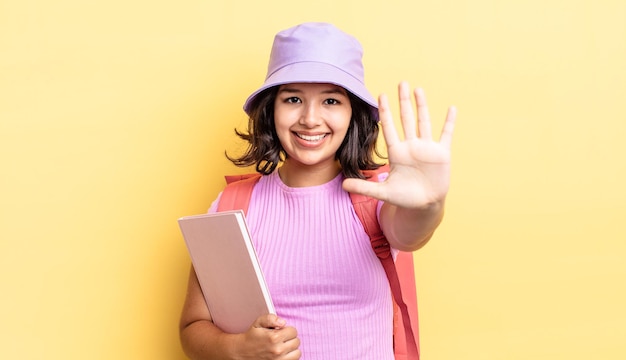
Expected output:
(419, 166)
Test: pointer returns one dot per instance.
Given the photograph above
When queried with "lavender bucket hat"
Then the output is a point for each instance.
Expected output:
(316, 53)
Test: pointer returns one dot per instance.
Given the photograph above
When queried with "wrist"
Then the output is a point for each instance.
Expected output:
(231, 344)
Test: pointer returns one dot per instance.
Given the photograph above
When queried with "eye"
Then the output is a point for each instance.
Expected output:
(293, 100)
(331, 102)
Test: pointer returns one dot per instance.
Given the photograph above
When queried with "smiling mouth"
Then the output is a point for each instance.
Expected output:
(311, 137)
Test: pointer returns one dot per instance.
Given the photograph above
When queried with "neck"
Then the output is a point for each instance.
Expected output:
(298, 175)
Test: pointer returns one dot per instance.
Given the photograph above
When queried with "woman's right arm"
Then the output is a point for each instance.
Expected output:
(267, 337)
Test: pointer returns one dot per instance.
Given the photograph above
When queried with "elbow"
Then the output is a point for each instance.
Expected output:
(412, 245)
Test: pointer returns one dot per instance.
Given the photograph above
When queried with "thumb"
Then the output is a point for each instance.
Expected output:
(363, 187)
(269, 321)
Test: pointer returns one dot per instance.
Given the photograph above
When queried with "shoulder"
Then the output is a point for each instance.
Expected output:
(237, 193)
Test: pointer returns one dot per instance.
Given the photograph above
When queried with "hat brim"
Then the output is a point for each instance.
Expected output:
(315, 72)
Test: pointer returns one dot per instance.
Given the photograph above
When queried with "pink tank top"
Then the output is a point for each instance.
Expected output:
(323, 276)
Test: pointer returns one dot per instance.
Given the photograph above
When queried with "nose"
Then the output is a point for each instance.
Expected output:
(310, 116)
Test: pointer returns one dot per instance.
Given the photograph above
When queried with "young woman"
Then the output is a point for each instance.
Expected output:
(313, 127)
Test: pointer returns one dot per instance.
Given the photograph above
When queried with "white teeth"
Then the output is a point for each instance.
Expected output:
(312, 137)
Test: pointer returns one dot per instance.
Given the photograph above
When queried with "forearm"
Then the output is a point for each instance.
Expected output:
(202, 340)
(410, 229)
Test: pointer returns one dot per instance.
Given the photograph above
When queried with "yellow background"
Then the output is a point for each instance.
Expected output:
(114, 116)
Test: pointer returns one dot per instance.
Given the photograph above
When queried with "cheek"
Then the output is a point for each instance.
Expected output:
(282, 130)
(279, 122)
(283, 118)
(341, 122)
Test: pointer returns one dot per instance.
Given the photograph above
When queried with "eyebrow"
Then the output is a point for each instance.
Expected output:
(334, 90)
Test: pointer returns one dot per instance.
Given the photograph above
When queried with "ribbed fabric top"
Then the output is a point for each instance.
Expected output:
(323, 275)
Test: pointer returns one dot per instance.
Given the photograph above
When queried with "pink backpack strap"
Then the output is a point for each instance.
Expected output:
(236, 195)
(401, 275)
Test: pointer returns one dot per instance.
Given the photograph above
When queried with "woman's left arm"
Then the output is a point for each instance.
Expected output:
(414, 193)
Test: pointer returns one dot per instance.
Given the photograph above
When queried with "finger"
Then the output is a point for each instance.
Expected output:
(448, 128)
(295, 355)
(286, 339)
(364, 187)
(407, 116)
(386, 121)
(292, 349)
(289, 333)
(269, 321)
(423, 117)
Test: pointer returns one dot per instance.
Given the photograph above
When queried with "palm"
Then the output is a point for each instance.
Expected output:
(419, 166)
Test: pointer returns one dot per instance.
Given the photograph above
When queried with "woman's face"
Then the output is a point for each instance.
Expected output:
(311, 121)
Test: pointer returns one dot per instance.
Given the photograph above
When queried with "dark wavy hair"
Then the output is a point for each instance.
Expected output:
(355, 153)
